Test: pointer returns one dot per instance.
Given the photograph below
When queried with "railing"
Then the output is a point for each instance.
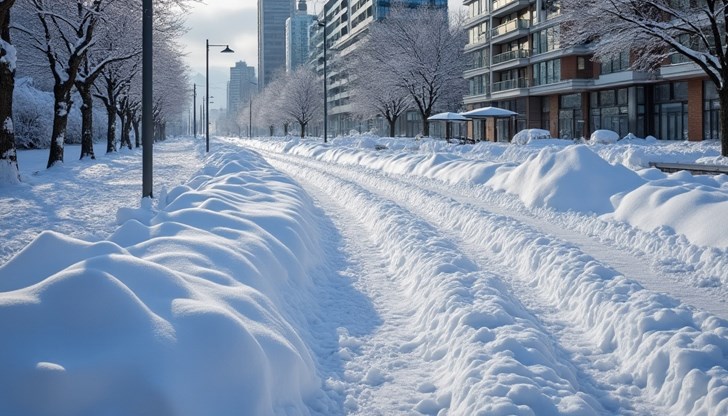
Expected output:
(511, 55)
(497, 4)
(511, 26)
(694, 168)
(510, 84)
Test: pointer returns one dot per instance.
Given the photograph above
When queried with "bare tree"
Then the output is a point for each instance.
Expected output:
(372, 93)
(8, 154)
(117, 40)
(652, 31)
(65, 33)
(419, 50)
(302, 98)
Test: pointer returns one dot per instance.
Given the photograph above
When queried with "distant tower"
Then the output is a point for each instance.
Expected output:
(297, 36)
(240, 88)
(272, 15)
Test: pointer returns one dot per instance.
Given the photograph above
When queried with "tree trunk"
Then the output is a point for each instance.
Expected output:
(425, 123)
(62, 105)
(87, 120)
(392, 125)
(110, 129)
(8, 155)
(137, 137)
(723, 98)
(303, 130)
(125, 130)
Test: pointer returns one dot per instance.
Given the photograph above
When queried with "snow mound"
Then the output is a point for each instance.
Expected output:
(529, 135)
(684, 204)
(604, 137)
(574, 178)
(183, 315)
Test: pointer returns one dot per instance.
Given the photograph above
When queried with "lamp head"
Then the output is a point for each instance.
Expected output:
(227, 50)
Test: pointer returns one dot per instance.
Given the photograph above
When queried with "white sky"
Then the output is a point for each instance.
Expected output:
(232, 22)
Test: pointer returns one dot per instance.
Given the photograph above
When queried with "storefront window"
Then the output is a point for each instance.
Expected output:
(671, 111)
(571, 119)
(711, 111)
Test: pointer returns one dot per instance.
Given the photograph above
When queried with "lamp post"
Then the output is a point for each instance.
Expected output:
(207, 89)
(323, 24)
(147, 101)
(250, 112)
(194, 111)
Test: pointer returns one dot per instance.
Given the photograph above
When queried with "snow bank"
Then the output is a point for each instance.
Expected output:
(604, 137)
(529, 135)
(571, 179)
(187, 314)
(690, 205)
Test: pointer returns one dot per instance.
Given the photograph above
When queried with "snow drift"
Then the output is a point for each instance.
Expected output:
(187, 314)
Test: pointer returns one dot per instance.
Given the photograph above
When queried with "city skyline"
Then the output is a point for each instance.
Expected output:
(231, 22)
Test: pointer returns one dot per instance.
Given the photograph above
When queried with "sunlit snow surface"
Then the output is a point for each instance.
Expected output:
(234, 293)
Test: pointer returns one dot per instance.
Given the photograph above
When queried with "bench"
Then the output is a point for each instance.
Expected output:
(694, 168)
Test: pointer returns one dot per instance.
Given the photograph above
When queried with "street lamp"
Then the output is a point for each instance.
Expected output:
(250, 112)
(207, 89)
(147, 100)
(323, 24)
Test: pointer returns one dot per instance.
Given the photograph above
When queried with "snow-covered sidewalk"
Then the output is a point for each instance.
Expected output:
(338, 279)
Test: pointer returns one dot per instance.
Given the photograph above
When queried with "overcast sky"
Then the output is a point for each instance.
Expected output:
(231, 22)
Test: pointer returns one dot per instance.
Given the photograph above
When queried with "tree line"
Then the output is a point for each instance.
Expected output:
(89, 49)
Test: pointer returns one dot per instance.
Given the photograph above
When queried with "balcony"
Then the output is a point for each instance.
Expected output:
(503, 7)
(511, 56)
(480, 41)
(510, 84)
(514, 28)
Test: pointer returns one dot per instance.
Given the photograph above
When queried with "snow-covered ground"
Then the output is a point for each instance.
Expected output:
(367, 276)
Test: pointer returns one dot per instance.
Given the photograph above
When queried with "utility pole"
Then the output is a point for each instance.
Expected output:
(147, 101)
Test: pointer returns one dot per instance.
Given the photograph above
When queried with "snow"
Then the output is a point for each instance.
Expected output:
(366, 276)
(528, 135)
(604, 137)
(10, 55)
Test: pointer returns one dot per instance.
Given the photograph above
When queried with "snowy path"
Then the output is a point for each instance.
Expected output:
(77, 199)
(642, 267)
(579, 359)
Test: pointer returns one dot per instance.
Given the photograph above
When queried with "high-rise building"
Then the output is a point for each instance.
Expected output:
(272, 15)
(240, 88)
(519, 63)
(346, 23)
(297, 37)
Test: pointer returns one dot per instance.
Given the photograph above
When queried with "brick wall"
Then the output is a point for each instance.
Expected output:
(695, 109)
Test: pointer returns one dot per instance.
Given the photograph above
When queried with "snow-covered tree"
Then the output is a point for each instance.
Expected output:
(302, 98)
(63, 33)
(420, 50)
(373, 93)
(8, 155)
(652, 31)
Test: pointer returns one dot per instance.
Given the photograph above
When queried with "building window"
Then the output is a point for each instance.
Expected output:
(671, 111)
(580, 63)
(711, 111)
(609, 110)
(546, 40)
(571, 119)
(616, 64)
(547, 72)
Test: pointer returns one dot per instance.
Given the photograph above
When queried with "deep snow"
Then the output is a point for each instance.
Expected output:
(415, 279)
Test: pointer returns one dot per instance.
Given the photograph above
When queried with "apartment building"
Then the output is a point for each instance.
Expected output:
(518, 63)
(346, 22)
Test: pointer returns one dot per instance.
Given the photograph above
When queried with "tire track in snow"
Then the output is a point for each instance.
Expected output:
(635, 337)
(630, 265)
(480, 286)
